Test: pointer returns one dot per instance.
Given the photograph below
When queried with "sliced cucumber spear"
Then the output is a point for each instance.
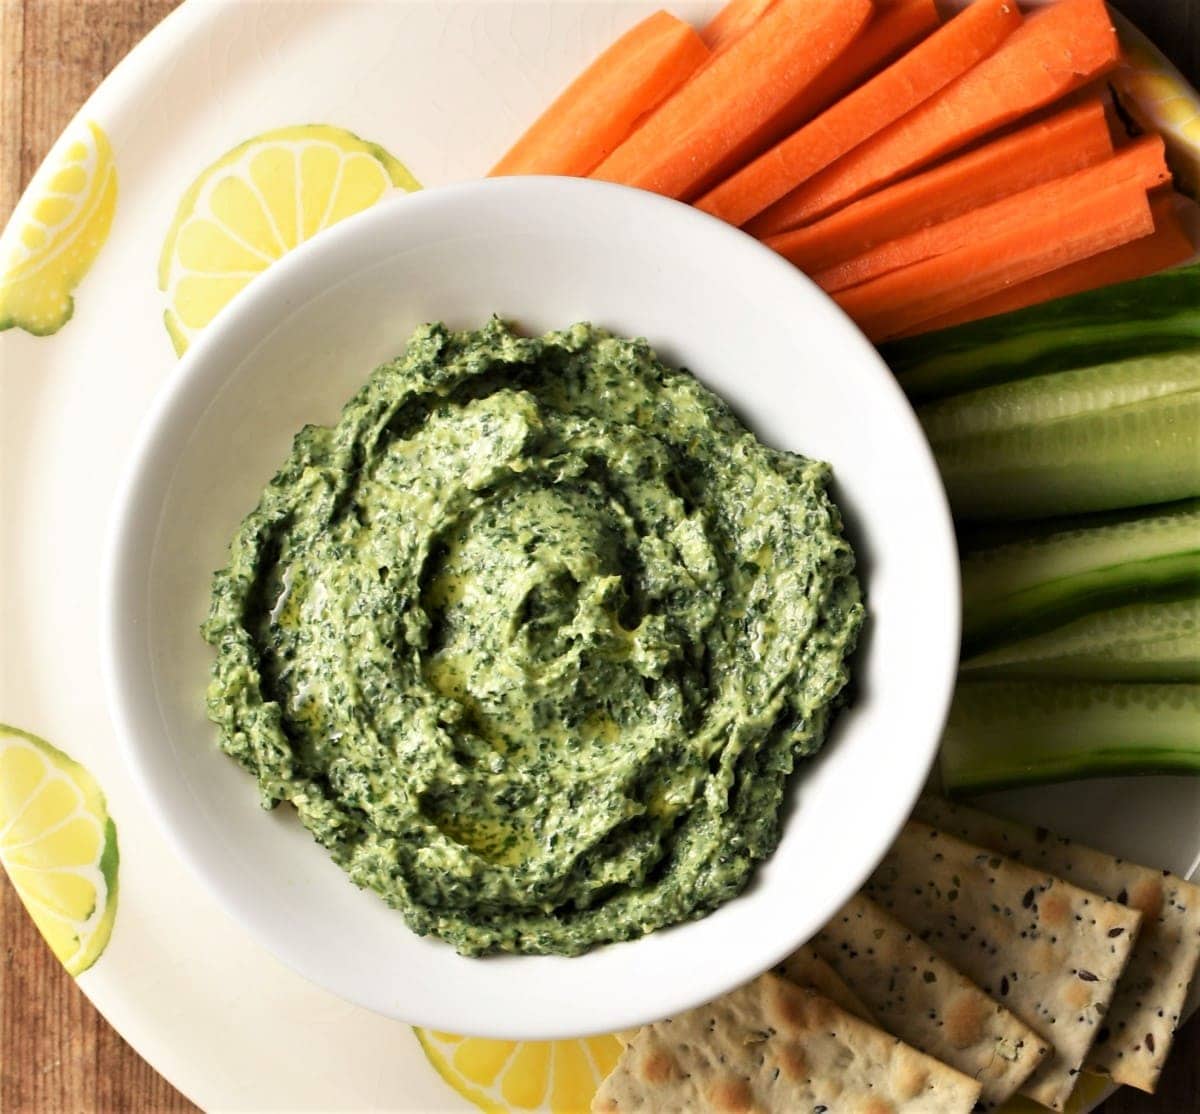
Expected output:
(1003, 734)
(1160, 313)
(1018, 589)
(1118, 435)
(1138, 642)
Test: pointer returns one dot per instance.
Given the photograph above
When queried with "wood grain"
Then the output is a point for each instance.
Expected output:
(57, 1054)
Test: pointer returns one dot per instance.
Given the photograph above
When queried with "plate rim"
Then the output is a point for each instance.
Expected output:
(124, 79)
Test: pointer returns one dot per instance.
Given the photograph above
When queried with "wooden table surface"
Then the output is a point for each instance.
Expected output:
(57, 1054)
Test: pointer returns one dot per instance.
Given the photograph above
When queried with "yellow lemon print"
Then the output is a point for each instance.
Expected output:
(59, 847)
(256, 203)
(1160, 101)
(504, 1077)
(56, 232)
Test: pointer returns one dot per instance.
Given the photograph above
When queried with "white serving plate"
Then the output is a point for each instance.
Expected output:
(445, 85)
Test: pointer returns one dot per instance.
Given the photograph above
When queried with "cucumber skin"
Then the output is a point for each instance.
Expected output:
(1046, 605)
(1002, 735)
(1149, 642)
(1149, 453)
(1160, 313)
(977, 537)
(1085, 668)
(1113, 763)
(1039, 604)
(1044, 400)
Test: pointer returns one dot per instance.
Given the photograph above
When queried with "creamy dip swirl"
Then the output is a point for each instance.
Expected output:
(533, 638)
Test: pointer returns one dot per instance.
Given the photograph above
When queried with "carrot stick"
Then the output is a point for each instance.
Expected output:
(891, 31)
(1065, 142)
(1059, 48)
(732, 22)
(895, 26)
(600, 108)
(931, 65)
(1142, 163)
(706, 125)
(1166, 247)
(1050, 239)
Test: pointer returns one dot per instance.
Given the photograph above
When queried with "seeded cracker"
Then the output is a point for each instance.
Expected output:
(1147, 1007)
(774, 1047)
(806, 968)
(1051, 952)
(914, 993)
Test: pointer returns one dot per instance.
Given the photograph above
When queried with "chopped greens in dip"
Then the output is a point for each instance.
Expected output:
(533, 638)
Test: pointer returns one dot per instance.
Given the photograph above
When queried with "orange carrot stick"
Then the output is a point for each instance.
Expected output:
(891, 31)
(705, 126)
(1059, 48)
(600, 108)
(895, 26)
(1065, 142)
(732, 22)
(931, 65)
(1142, 163)
(1051, 239)
(1166, 247)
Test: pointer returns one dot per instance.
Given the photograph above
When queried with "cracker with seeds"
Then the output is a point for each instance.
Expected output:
(773, 1046)
(1049, 951)
(1149, 1001)
(806, 968)
(917, 995)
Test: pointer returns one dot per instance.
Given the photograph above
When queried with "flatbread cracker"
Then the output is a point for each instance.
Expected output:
(1150, 998)
(806, 968)
(1050, 951)
(771, 1047)
(914, 993)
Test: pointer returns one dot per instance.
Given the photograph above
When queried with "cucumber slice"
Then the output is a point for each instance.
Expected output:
(974, 536)
(1160, 313)
(1135, 455)
(1118, 435)
(1002, 734)
(1138, 642)
(1045, 399)
(1024, 587)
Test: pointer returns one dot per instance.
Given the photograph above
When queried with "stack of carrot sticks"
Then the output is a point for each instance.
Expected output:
(924, 173)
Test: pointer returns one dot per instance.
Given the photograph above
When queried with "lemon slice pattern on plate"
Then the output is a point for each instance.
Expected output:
(256, 203)
(502, 1077)
(59, 846)
(562, 1077)
(56, 232)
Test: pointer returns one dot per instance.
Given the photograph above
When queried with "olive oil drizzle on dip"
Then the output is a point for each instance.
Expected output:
(533, 638)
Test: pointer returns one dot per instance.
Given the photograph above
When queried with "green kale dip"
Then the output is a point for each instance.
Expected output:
(533, 638)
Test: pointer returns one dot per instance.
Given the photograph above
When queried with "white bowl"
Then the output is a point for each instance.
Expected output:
(543, 252)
